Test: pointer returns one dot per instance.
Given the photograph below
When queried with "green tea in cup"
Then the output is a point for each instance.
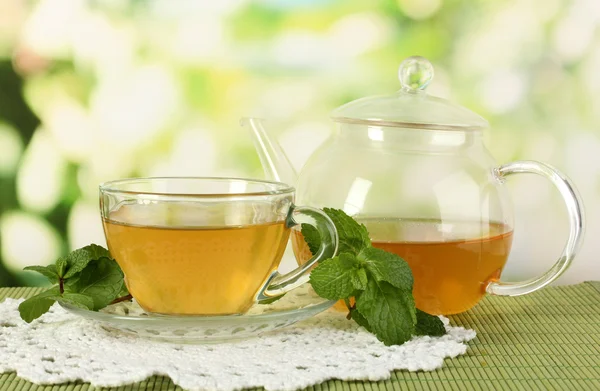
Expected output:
(205, 246)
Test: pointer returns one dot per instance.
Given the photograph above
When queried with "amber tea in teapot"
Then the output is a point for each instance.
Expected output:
(447, 259)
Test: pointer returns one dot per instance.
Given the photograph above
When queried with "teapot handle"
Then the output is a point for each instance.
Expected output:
(576, 227)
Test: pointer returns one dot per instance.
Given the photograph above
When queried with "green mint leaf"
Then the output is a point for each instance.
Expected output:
(390, 311)
(97, 252)
(77, 260)
(72, 282)
(361, 320)
(124, 291)
(76, 300)
(47, 271)
(61, 266)
(52, 268)
(332, 279)
(37, 305)
(429, 325)
(311, 237)
(360, 279)
(353, 236)
(388, 267)
(101, 279)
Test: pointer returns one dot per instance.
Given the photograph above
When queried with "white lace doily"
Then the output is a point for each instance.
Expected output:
(59, 348)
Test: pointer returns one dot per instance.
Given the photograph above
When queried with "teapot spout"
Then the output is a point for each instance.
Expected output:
(276, 165)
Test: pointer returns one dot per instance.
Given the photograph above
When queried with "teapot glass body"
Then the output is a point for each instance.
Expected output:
(433, 197)
(414, 169)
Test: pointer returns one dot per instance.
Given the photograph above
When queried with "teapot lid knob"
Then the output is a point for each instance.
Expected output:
(411, 106)
(415, 74)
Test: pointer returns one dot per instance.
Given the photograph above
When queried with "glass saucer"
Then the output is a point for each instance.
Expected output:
(128, 317)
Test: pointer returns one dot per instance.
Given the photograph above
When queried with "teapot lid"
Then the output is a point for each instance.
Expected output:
(411, 106)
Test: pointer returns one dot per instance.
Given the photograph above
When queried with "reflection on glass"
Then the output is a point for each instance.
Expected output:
(357, 196)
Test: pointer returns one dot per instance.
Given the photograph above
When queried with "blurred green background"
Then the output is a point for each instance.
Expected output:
(98, 90)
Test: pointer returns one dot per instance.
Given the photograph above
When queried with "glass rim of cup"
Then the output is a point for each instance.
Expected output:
(278, 188)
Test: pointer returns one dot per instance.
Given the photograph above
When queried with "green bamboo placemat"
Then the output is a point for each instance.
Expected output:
(549, 340)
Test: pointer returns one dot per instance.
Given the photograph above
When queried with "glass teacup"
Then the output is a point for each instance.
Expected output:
(206, 246)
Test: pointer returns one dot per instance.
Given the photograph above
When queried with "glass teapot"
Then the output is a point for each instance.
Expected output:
(414, 169)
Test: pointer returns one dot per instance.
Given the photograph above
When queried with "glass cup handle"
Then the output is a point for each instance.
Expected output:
(576, 225)
(279, 284)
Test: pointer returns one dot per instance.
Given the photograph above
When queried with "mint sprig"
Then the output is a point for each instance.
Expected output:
(390, 311)
(101, 280)
(47, 271)
(380, 282)
(337, 278)
(429, 325)
(87, 278)
(37, 305)
(78, 260)
(353, 237)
